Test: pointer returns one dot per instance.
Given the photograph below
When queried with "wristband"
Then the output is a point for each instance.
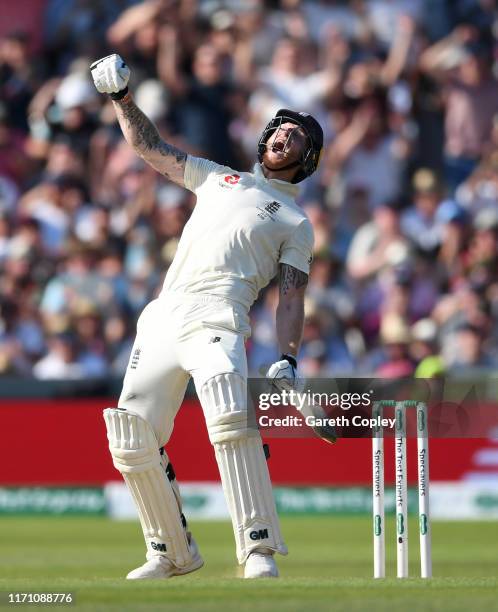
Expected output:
(292, 360)
(119, 94)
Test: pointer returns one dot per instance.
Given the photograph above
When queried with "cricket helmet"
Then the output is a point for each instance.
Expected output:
(310, 157)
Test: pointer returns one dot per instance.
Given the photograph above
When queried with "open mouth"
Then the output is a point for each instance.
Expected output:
(278, 146)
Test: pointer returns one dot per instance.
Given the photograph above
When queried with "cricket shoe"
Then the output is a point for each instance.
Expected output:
(161, 567)
(260, 565)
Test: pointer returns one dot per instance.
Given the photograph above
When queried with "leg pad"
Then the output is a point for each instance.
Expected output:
(134, 450)
(242, 464)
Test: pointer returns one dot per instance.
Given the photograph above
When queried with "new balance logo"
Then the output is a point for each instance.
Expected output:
(261, 534)
(135, 358)
(157, 546)
(272, 207)
(214, 339)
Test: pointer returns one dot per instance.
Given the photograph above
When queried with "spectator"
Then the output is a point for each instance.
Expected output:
(465, 351)
(403, 278)
(420, 222)
(118, 342)
(423, 349)
(59, 363)
(377, 244)
(202, 103)
(454, 235)
(395, 337)
(462, 62)
(88, 338)
(18, 77)
(366, 152)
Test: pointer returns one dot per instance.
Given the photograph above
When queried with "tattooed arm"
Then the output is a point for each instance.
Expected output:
(142, 135)
(290, 310)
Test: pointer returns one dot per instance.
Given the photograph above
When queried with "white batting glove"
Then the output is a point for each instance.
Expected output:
(110, 75)
(282, 374)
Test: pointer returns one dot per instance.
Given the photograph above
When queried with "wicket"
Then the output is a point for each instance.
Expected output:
(401, 489)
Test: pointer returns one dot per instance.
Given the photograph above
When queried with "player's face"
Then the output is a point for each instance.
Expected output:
(284, 146)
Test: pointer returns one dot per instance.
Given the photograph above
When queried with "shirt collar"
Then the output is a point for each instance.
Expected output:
(285, 186)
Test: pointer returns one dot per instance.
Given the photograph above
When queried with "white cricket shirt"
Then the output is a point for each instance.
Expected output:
(242, 227)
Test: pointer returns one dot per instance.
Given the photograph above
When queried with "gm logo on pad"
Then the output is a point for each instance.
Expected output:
(260, 534)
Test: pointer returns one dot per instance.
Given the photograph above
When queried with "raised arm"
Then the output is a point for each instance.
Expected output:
(142, 135)
(132, 20)
(168, 61)
(399, 51)
(290, 310)
(110, 76)
(441, 58)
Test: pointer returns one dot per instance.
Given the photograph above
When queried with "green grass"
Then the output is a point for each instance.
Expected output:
(329, 568)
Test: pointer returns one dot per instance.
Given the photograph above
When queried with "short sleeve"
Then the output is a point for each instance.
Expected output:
(297, 251)
(197, 171)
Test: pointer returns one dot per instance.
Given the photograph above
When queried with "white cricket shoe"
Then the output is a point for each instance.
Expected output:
(260, 565)
(162, 567)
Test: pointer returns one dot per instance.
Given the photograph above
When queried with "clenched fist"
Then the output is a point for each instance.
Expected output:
(110, 75)
(282, 374)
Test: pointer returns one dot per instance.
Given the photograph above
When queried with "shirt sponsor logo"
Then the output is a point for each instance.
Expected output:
(229, 181)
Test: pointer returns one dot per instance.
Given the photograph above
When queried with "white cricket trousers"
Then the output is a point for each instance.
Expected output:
(178, 336)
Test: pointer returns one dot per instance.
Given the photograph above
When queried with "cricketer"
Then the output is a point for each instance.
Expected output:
(245, 229)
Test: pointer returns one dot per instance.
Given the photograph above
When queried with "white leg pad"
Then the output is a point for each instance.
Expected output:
(242, 464)
(134, 450)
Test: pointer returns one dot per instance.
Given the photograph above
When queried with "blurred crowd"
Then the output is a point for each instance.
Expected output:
(404, 206)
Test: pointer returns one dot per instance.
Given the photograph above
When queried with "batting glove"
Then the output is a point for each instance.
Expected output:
(110, 75)
(282, 374)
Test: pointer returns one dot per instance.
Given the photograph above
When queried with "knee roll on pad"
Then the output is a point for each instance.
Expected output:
(134, 450)
(224, 401)
(242, 464)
